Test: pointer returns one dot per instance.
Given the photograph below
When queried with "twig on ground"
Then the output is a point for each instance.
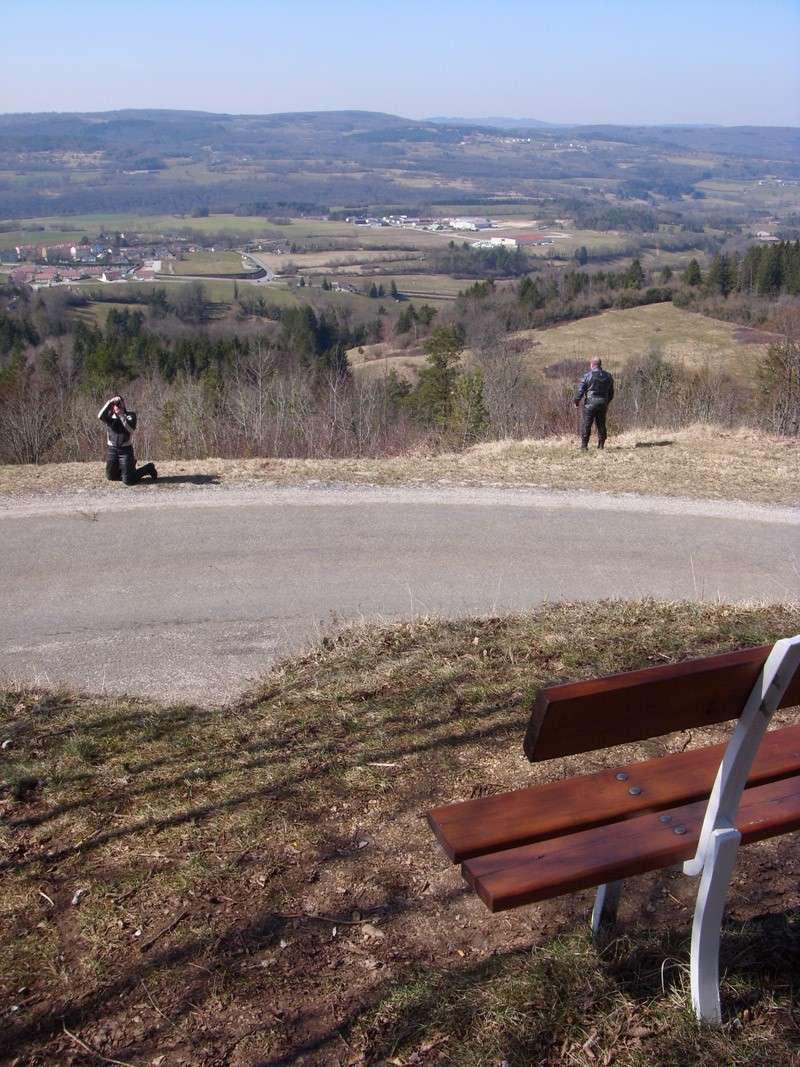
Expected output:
(150, 998)
(94, 1052)
(145, 945)
(324, 918)
(135, 889)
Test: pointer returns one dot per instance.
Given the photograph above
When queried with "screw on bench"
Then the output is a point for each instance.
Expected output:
(665, 818)
(679, 829)
(622, 777)
(635, 790)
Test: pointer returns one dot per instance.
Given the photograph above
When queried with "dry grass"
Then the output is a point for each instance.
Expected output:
(682, 336)
(698, 462)
(207, 263)
(258, 885)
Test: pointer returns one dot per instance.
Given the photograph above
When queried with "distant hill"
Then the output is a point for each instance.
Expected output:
(496, 122)
(169, 161)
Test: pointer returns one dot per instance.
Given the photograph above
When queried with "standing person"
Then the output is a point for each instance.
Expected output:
(120, 460)
(596, 389)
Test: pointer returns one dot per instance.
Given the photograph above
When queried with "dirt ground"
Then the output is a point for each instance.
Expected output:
(698, 462)
(256, 885)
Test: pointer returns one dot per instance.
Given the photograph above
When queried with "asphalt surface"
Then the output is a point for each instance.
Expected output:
(192, 595)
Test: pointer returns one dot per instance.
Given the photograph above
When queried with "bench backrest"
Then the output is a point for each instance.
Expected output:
(601, 712)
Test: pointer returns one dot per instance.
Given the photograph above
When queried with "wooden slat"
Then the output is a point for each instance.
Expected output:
(579, 861)
(490, 824)
(621, 708)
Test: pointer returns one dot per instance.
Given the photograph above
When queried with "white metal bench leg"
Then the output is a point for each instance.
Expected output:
(606, 902)
(707, 926)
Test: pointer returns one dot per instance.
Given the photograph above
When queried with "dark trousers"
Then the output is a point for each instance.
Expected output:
(593, 413)
(121, 465)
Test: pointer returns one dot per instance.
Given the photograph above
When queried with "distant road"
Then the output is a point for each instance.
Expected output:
(189, 594)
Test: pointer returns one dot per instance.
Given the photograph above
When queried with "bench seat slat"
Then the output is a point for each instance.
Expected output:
(506, 820)
(609, 853)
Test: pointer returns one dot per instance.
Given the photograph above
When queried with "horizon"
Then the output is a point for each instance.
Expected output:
(594, 64)
(439, 119)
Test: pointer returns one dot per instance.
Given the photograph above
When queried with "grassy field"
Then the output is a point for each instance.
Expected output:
(336, 262)
(254, 884)
(696, 462)
(57, 230)
(615, 336)
(97, 313)
(219, 290)
(202, 263)
(767, 197)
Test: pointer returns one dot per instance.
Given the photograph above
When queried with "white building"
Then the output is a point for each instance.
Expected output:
(469, 223)
(496, 242)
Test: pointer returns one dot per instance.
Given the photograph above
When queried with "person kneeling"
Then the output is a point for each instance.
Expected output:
(120, 460)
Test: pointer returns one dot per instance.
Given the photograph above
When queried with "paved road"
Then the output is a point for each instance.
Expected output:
(191, 594)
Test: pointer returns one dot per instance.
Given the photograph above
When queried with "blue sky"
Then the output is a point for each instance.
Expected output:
(648, 61)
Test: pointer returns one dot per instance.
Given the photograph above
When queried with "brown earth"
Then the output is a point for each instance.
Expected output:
(256, 884)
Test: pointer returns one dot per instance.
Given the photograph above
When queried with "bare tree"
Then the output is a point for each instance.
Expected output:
(779, 377)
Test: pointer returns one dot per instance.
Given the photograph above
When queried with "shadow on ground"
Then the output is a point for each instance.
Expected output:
(188, 479)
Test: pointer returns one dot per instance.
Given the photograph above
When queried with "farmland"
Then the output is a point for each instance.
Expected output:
(200, 264)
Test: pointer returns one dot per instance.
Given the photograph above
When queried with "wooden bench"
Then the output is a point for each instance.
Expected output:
(693, 807)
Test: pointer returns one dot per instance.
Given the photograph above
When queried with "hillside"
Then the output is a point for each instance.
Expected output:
(682, 336)
(690, 338)
(178, 161)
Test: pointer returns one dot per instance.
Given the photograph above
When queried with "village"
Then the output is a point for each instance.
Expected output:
(123, 257)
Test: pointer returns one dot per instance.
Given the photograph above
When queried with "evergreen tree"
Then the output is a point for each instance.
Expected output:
(434, 396)
(470, 415)
(693, 275)
(770, 274)
(666, 273)
(530, 293)
(405, 320)
(426, 314)
(721, 274)
(634, 275)
(393, 293)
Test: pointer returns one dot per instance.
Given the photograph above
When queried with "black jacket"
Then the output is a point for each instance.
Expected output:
(597, 386)
(118, 429)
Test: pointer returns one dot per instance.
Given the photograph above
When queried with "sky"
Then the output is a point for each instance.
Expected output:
(732, 62)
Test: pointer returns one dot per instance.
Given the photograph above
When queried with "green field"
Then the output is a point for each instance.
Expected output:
(55, 230)
(206, 263)
(219, 290)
